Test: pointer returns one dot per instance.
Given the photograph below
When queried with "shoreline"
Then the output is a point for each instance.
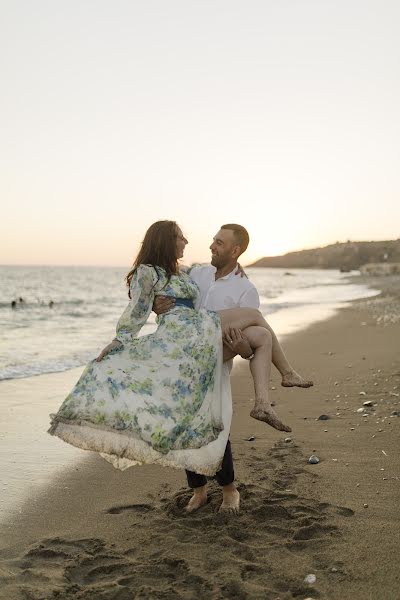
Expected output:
(288, 311)
(96, 530)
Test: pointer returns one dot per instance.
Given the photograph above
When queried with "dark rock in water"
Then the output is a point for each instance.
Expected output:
(323, 417)
(313, 460)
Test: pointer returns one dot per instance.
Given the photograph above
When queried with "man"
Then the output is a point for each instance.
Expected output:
(221, 287)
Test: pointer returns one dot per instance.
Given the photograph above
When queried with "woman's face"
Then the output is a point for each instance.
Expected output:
(181, 242)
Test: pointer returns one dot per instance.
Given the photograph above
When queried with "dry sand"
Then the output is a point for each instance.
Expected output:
(99, 534)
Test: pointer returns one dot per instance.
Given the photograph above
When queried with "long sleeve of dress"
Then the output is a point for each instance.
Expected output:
(137, 312)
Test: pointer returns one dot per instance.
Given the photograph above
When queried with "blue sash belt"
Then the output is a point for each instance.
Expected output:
(184, 302)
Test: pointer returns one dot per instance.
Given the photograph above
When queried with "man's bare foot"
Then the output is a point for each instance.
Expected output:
(231, 500)
(293, 379)
(198, 499)
(264, 412)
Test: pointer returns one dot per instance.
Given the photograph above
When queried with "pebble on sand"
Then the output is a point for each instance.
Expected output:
(288, 439)
(311, 578)
(365, 505)
(313, 460)
(368, 403)
(250, 439)
(323, 417)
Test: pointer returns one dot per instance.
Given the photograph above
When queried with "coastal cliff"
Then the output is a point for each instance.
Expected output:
(345, 256)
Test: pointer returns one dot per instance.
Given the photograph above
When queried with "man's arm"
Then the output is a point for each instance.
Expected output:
(238, 343)
(250, 298)
(163, 304)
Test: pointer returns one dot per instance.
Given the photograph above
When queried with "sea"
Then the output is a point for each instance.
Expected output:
(56, 318)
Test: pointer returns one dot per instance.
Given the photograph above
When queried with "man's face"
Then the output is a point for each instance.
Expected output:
(224, 248)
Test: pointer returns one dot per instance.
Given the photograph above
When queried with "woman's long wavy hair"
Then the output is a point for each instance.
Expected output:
(158, 249)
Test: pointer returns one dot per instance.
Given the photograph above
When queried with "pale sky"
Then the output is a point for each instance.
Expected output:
(280, 115)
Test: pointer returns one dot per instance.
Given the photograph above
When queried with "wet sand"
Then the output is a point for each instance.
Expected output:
(97, 533)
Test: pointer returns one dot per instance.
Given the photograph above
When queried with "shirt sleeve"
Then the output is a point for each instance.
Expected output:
(250, 299)
(139, 308)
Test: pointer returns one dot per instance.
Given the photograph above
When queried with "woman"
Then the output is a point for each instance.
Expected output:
(159, 398)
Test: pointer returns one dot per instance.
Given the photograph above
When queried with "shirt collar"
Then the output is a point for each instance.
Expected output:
(228, 276)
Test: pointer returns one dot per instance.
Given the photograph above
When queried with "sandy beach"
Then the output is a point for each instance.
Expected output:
(94, 533)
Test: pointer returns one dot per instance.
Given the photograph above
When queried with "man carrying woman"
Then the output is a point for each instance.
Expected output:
(161, 398)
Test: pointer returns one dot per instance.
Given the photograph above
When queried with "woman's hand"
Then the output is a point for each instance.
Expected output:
(240, 271)
(114, 344)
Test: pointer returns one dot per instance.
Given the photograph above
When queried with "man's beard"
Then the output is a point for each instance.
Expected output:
(218, 261)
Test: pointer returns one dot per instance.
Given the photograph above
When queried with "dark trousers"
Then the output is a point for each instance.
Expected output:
(224, 476)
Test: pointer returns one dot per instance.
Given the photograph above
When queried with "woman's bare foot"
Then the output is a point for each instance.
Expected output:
(198, 499)
(264, 412)
(231, 499)
(293, 379)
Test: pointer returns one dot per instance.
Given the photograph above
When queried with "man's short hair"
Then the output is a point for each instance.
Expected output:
(240, 233)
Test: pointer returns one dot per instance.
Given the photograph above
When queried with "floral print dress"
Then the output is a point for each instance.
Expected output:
(158, 398)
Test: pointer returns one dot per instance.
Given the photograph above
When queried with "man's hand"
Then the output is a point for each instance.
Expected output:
(114, 344)
(240, 271)
(237, 342)
(163, 304)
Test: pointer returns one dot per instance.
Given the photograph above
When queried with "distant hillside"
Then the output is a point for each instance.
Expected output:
(347, 255)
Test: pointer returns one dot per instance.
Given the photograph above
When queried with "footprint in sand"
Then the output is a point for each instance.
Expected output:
(135, 508)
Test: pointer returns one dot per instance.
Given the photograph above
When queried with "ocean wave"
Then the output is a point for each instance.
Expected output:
(39, 303)
(41, 368)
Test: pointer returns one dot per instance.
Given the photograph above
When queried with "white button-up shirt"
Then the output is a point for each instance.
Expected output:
(230, 291)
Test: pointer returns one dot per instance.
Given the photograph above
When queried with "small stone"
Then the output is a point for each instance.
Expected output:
(357, 485)
(313, 460)
(365, 505)
(311, 578)
(360, 410)
(250, 439)
(368, 403)
(352, 428)
(334, 459)
(323, 417)
(362, 393)
(288, 439)
(395, 413)
(336, 383)
(334, 570)
(273, 388)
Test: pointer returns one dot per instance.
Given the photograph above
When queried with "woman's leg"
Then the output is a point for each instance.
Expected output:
(260, 367)
(234, 317)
